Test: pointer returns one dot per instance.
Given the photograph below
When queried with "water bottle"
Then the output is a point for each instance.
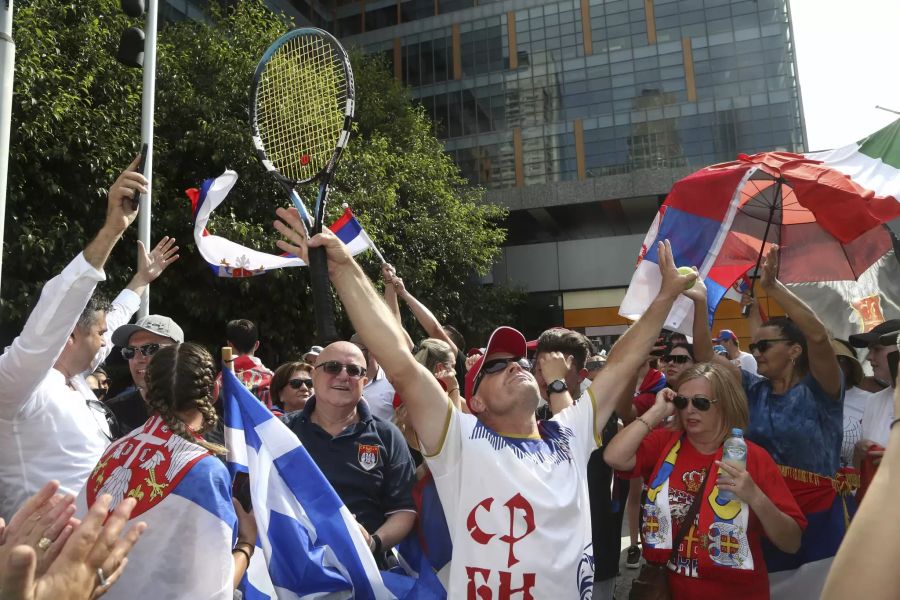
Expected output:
(734, 453)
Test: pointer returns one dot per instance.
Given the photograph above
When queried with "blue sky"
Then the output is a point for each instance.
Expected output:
(848, 61)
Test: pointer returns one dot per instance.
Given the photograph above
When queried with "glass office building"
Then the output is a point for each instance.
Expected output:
(579, 115)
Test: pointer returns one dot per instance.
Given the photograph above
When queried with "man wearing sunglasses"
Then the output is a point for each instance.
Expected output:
(514, 492)
(364, 458)
(51, 424)
(879, 414)
(138, 343)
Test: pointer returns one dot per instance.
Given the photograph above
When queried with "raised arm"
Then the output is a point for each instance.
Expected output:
(632, 349)
(823, 364)
(426, 402)
(149, 267)
(877, 577)
(390, 298)
(621, 452)
(35, 351)
(425, 317)
(703, 347)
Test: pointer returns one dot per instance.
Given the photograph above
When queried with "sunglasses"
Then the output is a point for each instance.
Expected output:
(496, 365)
(701, 403)
(678, 359)
(129, 352)
(333, 367)
(762, 345)
(102, 414)
(298, 383)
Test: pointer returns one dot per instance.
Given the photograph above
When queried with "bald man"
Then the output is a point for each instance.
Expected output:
(365, 459)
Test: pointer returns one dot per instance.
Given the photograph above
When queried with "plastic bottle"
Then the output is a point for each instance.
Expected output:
(734, 453)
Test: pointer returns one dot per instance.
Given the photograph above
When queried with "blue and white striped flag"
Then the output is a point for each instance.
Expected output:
(312, 545)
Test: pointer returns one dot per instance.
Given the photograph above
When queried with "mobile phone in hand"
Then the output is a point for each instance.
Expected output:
(136, 201)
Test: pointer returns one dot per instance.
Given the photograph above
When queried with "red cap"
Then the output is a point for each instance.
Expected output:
(504, 339)
(474, 351)
(532, 345)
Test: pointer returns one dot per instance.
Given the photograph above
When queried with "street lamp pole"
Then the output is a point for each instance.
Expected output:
(7, 63)
(147, 109)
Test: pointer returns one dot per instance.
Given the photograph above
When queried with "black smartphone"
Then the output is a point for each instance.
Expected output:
(136, 201)
(240, 490)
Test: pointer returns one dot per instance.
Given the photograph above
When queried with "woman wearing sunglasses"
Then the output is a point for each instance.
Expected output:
(796, 414)
(292, 386)
(712, 546)
(677, 360)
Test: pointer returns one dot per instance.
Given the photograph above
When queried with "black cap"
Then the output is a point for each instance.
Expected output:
(888, 330)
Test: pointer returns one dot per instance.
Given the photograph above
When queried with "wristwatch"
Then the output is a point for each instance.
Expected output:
(557, 386)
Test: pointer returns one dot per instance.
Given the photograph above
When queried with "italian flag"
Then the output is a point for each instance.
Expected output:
(873, 163)
(848, 307)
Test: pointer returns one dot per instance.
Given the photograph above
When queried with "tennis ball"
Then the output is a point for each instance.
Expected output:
(687, 271)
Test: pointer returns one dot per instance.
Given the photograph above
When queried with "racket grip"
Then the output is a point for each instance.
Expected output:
(323, 303)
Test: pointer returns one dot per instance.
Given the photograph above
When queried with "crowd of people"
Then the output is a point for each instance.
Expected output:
(538, 451)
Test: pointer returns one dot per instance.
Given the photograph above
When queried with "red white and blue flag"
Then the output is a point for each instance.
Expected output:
(230, 259)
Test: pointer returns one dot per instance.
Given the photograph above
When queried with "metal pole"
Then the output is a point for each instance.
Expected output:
(7, 64)
(147, 108)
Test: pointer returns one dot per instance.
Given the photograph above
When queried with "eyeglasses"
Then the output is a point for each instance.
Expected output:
(495, 365)
(763, 345)
(701, 403)
(298, 383)
(101, 411)
(333, 367)
(129, 352)
(678, 359)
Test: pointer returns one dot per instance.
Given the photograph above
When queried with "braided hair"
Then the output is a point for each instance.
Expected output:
(182, 377)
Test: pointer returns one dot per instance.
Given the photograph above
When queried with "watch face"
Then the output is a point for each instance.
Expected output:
(557, 386)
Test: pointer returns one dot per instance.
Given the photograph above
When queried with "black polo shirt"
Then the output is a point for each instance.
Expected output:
(368, 463)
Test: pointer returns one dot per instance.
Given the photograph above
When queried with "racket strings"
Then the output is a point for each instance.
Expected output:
(301, 102)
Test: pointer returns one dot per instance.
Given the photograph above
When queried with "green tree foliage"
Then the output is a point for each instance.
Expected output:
(76, 123)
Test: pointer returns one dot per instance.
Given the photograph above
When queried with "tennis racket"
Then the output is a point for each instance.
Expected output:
(301, 108)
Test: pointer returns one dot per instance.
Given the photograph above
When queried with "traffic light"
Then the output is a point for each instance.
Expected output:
(131, 44)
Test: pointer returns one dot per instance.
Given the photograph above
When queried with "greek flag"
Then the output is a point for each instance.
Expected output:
(311, 543)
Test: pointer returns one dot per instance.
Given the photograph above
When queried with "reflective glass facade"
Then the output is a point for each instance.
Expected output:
(571, 90)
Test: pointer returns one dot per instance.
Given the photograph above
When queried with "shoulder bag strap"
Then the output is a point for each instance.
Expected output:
(689, 519)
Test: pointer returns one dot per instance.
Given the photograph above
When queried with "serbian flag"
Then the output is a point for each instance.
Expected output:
(230, 259)
(697, 231)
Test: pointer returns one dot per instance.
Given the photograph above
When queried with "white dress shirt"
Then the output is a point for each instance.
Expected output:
(47, 429)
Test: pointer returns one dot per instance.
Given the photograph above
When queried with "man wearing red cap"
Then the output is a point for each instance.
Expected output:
(514, 490)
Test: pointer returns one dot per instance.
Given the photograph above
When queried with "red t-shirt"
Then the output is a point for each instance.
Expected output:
(688, 581)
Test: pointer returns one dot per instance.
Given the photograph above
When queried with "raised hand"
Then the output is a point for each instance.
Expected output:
(698, 291)
(297, 242)
(150, 266)
(121, 209)
(554, 365)
(769, 276)
(673, 282)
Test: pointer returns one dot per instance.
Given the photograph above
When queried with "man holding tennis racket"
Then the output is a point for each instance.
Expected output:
(514, 491)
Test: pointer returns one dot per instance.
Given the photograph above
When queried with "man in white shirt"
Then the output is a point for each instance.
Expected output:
(876, 421)
(51, 424)
(514, 494)
(741, 359)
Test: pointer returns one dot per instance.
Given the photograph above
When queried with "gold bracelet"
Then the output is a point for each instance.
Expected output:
(646, 424)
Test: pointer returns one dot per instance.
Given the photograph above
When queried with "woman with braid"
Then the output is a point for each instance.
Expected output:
(199, 540)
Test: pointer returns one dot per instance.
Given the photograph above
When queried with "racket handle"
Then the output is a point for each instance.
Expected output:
(323, 303)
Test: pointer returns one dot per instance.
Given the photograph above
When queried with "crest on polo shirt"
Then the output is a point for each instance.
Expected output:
(367, 455)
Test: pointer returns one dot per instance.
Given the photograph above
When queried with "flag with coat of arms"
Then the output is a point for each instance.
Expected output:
(230, 259)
